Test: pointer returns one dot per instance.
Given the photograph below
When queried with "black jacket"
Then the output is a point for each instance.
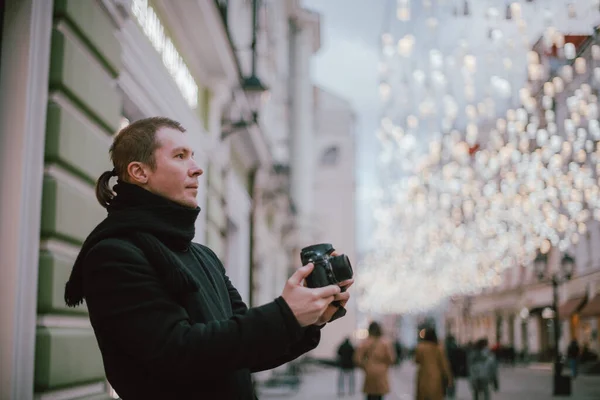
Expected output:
(346, 355)
(165, 340)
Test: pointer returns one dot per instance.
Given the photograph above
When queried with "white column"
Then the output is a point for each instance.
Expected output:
(519, 340)
(565, 337)
(505, 335)
(238, 238)
(23, 101)
(533, 331)
(302, 156)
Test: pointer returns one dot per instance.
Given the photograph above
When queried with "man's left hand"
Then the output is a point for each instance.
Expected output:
(341, 297)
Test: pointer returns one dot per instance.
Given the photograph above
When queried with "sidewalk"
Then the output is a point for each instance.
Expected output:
(520, 383)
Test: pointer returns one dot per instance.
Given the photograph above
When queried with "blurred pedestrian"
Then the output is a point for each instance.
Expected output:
(454, 359)
(346, 363)
(398, 350)
(573, 357)
(375, 355)
(483, 371)
(433, 376)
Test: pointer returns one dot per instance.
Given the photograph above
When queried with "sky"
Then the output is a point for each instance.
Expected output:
(347, 65)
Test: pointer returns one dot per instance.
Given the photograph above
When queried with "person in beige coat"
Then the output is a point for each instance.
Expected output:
(375, 355)
(433, 376)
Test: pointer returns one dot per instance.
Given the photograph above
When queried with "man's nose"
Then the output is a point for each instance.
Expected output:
(195, 170)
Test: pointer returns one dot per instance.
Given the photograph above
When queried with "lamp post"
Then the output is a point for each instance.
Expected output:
(556, 278)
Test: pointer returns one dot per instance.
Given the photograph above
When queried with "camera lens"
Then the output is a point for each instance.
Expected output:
(342, 269)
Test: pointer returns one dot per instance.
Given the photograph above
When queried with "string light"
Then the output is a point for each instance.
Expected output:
(480, 177)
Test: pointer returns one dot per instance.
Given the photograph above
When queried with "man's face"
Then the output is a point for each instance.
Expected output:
(176, 174)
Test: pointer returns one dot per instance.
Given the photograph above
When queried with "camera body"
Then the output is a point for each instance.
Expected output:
(328, 270)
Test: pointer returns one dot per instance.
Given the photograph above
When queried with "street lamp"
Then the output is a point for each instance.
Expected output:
(540, 265)
(252, 86)
(567, 265)
(254, 90)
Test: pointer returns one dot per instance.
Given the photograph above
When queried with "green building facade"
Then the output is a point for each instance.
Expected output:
(72, 73)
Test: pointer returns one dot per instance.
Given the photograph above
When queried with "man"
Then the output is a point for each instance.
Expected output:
(169, 323)
(451, 348)
(483, 370)
(398, 350)
(345, 354)
(573, 357)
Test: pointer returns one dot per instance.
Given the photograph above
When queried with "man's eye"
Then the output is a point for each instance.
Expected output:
(179, 156)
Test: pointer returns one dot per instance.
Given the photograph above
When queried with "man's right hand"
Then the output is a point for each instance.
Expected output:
(307, 304)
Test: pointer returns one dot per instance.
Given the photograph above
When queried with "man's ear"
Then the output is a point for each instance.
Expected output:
(138, 172)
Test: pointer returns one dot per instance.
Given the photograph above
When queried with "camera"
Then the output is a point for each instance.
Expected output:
(329, 270)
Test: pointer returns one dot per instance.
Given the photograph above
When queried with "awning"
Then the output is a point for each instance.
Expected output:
(570, 307)
(592, 308)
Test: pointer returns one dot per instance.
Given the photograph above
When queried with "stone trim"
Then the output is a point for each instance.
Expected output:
(23, 100)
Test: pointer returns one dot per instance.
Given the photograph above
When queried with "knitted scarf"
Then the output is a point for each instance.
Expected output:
(156, 225)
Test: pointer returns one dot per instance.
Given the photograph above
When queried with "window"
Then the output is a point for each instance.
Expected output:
(330, 156)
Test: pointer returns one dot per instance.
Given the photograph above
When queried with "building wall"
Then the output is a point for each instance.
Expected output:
(282, 196)
(84, 110)
(92, 79)
(521, 289)
(238, 233)
(216, 219)
(271, 259)
(334, 197)
(304, 31)
(530, 332)
(24, 70)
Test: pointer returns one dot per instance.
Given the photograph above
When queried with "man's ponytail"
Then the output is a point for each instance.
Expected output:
(104, 193)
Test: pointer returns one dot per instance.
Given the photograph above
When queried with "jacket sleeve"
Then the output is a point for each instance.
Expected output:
(238, 306)
(308, 340)
(390, 354)
(418, 355)
(358, 355)
(130, 310)
(494, 370)
(444, 366)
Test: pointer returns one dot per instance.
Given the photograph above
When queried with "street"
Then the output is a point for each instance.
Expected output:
(526, 383)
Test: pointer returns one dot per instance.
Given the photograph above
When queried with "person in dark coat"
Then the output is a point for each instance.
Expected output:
(398, 350)
(483, 370)
(573, 357)
(346, 363)
(169, 323)
(433, 375)
(451, 349)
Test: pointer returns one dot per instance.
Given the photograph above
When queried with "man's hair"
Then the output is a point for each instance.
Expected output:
(375, 329)
(135, 142)
(481, 344)
(430, 335)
